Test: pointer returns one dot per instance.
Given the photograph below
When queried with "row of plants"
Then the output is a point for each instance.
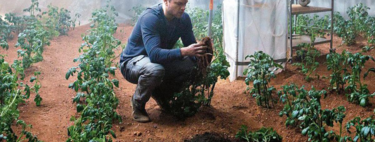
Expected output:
(302, 108)
(13, 93)
(359, 23)
(95, 98)
(34, 32)
(347, 68)
(303, 111)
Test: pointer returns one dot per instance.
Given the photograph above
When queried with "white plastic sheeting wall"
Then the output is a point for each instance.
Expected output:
(262, 26)
(86, 7)
(343, 5)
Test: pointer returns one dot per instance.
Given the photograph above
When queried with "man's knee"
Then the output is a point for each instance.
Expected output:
(155, 70)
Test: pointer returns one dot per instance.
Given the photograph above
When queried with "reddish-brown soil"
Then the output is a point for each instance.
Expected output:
(231, 107)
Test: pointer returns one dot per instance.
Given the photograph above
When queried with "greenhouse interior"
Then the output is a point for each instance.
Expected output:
(187, 70)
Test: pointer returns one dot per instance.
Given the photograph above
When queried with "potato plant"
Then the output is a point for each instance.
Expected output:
(322, 23)
(303, 109)
(5, 31)
(364, 129)
(196, 92)
(260, 71)
(58, 21)
(302, 22)
(33, 39)
(357, 92)
(358, 16)
(359, 23)
(308, 54)
(337, 63)
(95, 98)
(12, 93)
(32, 42)
(18, 22)
(344, 29)
(261, 135)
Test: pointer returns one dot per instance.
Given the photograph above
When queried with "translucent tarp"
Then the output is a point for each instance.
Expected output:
(262, 26)
(86, 7)
(343, 5)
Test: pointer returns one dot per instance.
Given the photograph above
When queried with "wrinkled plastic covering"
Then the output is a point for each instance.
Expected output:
(343, 5)
(262, 26)
(86, 7)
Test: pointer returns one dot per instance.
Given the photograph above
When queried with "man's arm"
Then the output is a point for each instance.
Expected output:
(189, 41)
(152, 42)
(188, 37)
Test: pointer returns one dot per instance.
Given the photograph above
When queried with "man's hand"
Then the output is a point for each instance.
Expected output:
(194, 50)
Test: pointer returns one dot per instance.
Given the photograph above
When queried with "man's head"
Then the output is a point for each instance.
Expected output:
(174, 8)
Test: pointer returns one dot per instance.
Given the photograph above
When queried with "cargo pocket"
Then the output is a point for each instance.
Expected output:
(133, 70)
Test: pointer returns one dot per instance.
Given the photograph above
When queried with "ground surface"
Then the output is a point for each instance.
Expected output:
(231, 107)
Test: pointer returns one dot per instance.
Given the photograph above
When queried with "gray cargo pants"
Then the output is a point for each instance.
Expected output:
(151, 76)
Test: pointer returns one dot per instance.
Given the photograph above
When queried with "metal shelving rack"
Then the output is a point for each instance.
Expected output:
(296, 9)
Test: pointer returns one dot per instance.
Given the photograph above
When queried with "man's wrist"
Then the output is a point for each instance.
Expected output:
(182, 51)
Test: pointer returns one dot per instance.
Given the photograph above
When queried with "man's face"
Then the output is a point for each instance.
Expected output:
(176, 8)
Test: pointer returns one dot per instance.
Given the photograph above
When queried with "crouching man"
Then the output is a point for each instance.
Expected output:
(149, 60)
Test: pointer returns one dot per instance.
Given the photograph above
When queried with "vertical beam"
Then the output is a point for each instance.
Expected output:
(238, 35)
(210, 18)
(332, 21)
(291, 30)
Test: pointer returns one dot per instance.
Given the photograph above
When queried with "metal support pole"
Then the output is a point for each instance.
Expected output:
(332, 21)
(238, 35)
(291, 31)
(210, 18)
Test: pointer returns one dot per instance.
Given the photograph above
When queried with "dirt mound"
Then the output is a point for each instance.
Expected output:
(210, 137)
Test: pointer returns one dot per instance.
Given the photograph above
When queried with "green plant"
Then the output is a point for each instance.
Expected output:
(12, 94)
(5, 32)
(296, 102)
(365, 129)
(357, 92)
(309, 54)
(303, 109)
(260, 71)
(95, 99)
(358, 15)
(33, 39)
(337, 63)
(344, 29)
(358, 23)
(367, 48)
(32, 42)
(196, 92)
(302, 22)
(36, 88)
(261, 135)
(59, 21)
(18, 23)
(370, 33)
(52, 21)
(322, 23)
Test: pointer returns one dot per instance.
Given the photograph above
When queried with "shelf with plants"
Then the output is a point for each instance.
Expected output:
(296, 39)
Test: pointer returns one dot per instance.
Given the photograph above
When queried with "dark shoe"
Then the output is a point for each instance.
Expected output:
(139, 112)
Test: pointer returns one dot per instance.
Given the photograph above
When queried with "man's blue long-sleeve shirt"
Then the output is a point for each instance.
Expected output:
(155, 37)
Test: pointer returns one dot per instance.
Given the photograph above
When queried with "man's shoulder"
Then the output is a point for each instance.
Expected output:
(185, 19)
(152, 12)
